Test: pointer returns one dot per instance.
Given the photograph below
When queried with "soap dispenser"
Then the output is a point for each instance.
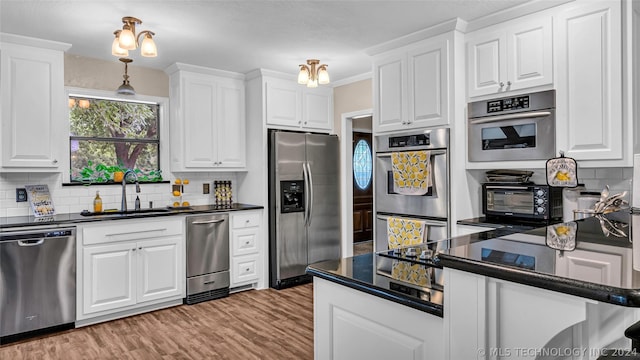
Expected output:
(97, 203)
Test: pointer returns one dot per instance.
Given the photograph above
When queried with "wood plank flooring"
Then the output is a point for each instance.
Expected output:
(264, 324)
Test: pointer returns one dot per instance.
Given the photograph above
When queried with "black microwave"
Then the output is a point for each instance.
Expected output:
(529, 202)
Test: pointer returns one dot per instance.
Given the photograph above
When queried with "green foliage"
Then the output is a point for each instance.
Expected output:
(112, 135)
(101, 173)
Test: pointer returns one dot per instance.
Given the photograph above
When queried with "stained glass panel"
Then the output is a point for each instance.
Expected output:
(362, 165)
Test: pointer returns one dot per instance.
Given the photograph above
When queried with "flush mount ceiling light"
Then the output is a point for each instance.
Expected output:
(125, 88)
(313, 74)
(126, 39)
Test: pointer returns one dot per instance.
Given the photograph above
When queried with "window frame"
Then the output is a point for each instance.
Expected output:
(163, 125)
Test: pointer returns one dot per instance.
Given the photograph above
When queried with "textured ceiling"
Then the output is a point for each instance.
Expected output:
(240, 35)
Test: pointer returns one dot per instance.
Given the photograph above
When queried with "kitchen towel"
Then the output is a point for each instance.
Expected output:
(411, 172)
(404, 232)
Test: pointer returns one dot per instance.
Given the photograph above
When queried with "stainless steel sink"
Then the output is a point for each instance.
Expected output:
(127, 212)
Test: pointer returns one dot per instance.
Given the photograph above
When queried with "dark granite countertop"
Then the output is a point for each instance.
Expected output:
(537, 257)
(77, 218)
(371, 274)
(541, 257)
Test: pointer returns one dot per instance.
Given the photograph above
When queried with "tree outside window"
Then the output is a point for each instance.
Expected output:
(108, 135)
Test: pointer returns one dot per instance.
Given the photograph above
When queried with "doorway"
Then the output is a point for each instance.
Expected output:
(358, 122)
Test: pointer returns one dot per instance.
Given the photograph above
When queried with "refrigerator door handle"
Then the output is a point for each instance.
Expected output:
(305, 176)
(310, 204)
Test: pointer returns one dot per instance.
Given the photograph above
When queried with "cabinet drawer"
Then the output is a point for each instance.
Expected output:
(244, 242)
(244, 269)
(119, 230)
(245, 220)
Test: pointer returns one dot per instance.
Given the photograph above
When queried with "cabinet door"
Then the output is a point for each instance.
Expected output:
(590, 266)
(199, 142)
(33, 107)
(589, 78)
(283, 103)
(428, 85)
(390, 93)
(231, 134)
(317, 108)
(530, 58)
(108, 277)
(160, 269)
(486, 55)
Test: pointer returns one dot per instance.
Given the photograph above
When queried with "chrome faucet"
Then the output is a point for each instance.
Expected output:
(123, 205)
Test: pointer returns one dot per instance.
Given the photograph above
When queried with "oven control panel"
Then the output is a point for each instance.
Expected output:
(512, 103)
(409, 140)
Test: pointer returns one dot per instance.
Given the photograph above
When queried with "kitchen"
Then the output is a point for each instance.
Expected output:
(465, 199)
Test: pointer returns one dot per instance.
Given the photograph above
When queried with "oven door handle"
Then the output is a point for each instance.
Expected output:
(426, 222)
(432, 152)
(525, 115)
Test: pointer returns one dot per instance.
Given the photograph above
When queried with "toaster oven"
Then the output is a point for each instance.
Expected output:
(530, 202)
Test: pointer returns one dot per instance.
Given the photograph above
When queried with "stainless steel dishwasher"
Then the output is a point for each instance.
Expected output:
(207, 257)
(37, 281)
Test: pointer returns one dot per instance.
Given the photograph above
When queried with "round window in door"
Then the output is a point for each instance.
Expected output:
(362, 164)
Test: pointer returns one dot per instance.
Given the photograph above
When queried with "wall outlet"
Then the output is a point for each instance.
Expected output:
(205, 188)
(21, 195)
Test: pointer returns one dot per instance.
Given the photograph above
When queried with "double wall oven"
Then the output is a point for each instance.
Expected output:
(432, 207)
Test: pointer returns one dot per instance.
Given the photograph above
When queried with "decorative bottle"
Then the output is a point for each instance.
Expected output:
(97, 203)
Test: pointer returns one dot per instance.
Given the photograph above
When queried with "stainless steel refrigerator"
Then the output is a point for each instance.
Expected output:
(304, 204)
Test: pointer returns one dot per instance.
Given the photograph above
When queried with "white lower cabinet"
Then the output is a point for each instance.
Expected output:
(129, 265)
(488, 318)
(245, 249)
(351, 324)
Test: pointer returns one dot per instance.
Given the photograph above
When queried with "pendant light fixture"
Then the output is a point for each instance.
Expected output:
(313, 74)
(125, 88)
(126, 39)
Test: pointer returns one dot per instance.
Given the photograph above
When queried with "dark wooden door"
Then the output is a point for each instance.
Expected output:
(362, 187)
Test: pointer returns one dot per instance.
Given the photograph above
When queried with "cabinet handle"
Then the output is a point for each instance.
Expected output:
(508, 83)
(501, 84)
(140, 248)
(305, 123)
(134, 249)
(247, 243)
(247, 221)
(247, 269)
(55, 161)
(299, 122)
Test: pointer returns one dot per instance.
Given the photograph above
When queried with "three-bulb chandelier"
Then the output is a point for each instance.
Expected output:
(313, 74)
(126, 39)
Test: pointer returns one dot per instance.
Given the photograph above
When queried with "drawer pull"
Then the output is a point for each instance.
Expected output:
(138, 232)
(209, 282)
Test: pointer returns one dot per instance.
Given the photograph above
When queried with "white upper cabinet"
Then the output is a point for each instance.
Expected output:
(590, 83)
(294, 106)
(411, 86)
(207, 119)
(33, 112)
(511, 56)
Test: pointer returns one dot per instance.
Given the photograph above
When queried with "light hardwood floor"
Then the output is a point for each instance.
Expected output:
(264, 324)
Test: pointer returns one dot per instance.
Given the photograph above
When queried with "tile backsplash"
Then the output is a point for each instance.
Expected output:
(73, 199)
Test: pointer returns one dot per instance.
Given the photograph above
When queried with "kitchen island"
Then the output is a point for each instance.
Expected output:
(564, 290)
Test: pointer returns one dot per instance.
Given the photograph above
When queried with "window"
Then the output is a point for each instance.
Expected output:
(362, 164)
(110, 135)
